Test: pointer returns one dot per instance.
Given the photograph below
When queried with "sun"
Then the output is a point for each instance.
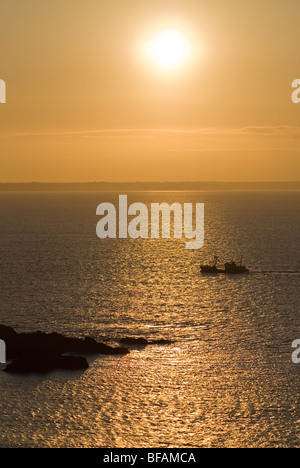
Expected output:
(169, 50)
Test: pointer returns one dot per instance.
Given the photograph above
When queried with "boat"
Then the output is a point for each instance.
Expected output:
(212, 267)
(230, 268)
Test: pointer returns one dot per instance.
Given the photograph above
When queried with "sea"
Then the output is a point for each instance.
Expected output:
(227, 380)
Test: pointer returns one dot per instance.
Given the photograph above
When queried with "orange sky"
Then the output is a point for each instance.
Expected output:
(83, 104)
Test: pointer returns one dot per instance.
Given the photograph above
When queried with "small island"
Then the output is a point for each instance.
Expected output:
(40, 352)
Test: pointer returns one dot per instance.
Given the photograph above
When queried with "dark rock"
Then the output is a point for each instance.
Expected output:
(19, 343)
(43, 364)
(7, 333)
(143, 341)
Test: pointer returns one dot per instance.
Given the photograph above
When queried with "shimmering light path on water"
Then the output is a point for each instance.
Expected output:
(228, 380)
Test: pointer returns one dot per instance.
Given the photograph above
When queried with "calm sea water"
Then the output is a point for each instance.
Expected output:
(227, 381)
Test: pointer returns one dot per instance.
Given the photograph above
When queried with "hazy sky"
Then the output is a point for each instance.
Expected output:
(84, 103)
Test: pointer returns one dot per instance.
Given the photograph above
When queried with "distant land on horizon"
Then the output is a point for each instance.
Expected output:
(148, 186)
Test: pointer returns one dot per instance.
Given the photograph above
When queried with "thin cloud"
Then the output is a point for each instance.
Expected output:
(281, 131)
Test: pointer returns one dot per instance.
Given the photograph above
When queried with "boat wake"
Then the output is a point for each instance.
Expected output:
(275, 272)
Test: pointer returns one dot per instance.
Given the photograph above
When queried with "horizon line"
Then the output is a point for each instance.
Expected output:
(34, 182)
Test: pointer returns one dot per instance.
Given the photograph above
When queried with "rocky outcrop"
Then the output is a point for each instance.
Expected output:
(19, 343)
(46, 363)
(143, 342)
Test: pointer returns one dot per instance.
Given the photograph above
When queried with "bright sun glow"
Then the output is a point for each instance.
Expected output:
(169, 50)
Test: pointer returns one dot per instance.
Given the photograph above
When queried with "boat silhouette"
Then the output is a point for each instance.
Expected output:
(230, 268)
